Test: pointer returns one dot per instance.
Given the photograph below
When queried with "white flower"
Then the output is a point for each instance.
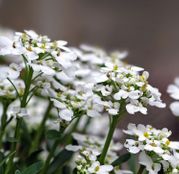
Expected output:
(94, 144)
(122, 94)
(64, 113)
(123, 172)
(42, 68)
(129, 86)
(18, 112)
(39, 51)
(100, 169)
(155, 147)
(6, 46)
(73, 148)
(138, 131)
(133, 146)
(133, 108)
(7, 89)
(173, 91)
(8, 72)
(151, 167)
(36, 115)
(175, 108)
(155, 144)
(66, 59)
(94, 106)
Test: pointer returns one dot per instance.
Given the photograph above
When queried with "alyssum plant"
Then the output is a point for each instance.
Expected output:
(61, 106)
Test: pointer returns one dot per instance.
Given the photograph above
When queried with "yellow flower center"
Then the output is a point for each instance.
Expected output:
(167, 142)
(146, 134)
(97, 168)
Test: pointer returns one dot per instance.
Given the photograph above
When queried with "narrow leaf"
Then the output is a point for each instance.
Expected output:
(34, 168)
(60, 160)
(4, 160)
(52, 134)
(18, 172)
(121, 159)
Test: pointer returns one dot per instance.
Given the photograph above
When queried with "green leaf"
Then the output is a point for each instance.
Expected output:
(75, 171)
(18, 172)
(121, 159)
(34, 168)
(132, 163)
(1, 167)
(60, 160)
(53, 134)
(4, 160)
(12, 140)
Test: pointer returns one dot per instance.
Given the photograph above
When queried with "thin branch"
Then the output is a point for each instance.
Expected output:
(14, 87)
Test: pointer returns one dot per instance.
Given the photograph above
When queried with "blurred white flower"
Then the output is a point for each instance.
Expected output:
(18, 112)
(96, 168)
(9, 72)
(173, 91)
(175, 108)
(7, 90)
(64, 113)
(151, 167)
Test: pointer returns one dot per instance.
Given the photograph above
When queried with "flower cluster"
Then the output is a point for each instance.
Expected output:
(155, 147)
(173, 90)
(126, 87)
(89, 148)
(61, 104)
(38, 51)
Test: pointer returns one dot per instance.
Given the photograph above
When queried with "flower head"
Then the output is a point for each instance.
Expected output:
(38, 51)
(126, 87)
(173, 91)
(154, 146)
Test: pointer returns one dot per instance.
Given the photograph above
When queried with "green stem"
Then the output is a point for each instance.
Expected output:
(64, 137)
(115, 121)
(40, 130)
(67, 137)
(27, 81)
(13, 147)
(27, 88)
(141, 169)
(50, 155)
(108, 139)
(86, 125)
(3, 122)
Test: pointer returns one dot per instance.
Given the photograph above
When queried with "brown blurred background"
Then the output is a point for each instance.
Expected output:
(148, 29)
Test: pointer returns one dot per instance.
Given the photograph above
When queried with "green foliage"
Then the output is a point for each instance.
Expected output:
(53, 134)
(60, 160)
(33, 169)
(121, 159)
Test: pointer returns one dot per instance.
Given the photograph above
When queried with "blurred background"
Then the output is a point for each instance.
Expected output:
(149, 30)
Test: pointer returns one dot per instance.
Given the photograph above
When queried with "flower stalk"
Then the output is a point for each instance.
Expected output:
(65, 137)
(13, 147)
(3, 122)
(38, 136)
(141, 169)
(27, 80)
(109, 138)
(113, 125)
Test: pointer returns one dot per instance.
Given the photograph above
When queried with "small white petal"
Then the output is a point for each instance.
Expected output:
(175, 108)
(66, 114)
(73, 148)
